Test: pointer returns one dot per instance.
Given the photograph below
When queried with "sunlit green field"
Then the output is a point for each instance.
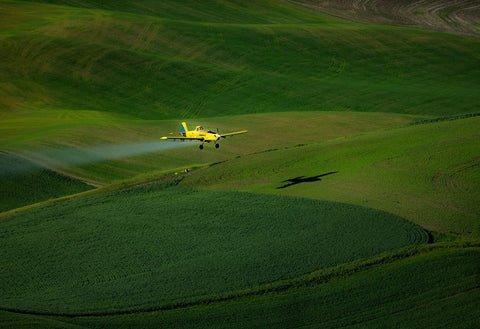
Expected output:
(353, 200)
(247, 58)
(48, 137)
(426, 173)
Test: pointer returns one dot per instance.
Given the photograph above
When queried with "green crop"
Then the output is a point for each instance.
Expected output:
(427, 291)
(23, 183)
(153, 247)
(427, 173)
(326, 102)
(434, 289)
(220, 58)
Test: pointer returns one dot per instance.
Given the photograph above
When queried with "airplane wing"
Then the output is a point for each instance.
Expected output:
(182, 138)
(234, 133)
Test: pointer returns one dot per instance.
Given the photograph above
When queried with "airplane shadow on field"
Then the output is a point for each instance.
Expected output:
(303, 179)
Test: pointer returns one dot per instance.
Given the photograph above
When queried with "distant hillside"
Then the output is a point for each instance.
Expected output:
(210, 58)
(452, 16)
(223, 11)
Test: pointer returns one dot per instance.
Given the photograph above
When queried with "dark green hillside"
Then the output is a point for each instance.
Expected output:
(23, 183)
(167, 62)
(439, 289)
(152, 247)
(224, 11)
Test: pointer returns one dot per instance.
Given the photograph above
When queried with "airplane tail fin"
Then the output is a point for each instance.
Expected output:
(183, 128)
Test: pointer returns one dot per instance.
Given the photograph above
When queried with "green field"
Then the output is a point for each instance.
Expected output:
(24, 183)
(153, 247)
(50, 137)
(442, 292)
(434, 298)
(417, 171)
(353, 201)
(159, 63)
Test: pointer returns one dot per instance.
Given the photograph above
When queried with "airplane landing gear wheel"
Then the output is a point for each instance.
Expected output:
(201, 146)
(217, 146)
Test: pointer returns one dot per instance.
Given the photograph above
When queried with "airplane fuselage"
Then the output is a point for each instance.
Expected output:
(200, 133)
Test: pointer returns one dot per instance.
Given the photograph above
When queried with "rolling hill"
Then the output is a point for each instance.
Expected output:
(416, 171)
(352, 202)
(161, 63)
(154, 247)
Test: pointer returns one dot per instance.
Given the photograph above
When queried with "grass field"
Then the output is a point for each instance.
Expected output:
(434, 298)
(363, 146)
(425, 173)
(268, 59)
(152, 247)
(24, 183)
(54, 137)
(442, 292)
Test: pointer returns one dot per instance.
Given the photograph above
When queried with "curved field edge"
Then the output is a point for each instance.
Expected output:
(173, 246)
(338, 276)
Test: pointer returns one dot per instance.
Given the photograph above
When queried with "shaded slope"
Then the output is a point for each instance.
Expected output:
(440, 291)
(434, 290)
(75, 58)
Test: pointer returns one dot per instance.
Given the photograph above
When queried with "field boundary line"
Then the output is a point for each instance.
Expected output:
(445, 118)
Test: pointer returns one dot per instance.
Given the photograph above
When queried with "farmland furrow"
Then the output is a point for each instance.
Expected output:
(452, 16)
(449, 178)
(417, 236)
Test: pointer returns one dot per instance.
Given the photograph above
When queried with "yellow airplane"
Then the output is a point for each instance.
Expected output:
(200, 134)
